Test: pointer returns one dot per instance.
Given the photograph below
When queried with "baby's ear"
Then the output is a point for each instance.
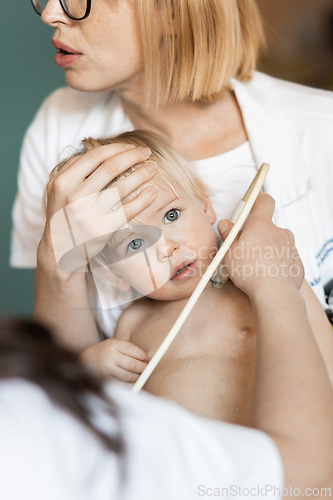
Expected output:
(209, 210)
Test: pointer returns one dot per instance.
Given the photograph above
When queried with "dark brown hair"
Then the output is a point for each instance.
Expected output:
(28, 351)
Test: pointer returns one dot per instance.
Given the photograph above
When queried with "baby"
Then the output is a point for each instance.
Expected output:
(209, 368)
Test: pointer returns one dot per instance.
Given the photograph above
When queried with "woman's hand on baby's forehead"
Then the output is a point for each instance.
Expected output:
(262, 252)
(108, 161)
(76, 196)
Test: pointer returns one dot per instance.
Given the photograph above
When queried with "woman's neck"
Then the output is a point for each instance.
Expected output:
(194, 129)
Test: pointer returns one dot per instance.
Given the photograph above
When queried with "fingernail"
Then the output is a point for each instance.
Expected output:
(146, 151)
(151, 165)
(129, 146)
(223, 226)
(152, 191)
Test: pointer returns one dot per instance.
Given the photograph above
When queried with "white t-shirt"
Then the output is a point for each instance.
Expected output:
(228, 177)
(288, 126)
(46, 454)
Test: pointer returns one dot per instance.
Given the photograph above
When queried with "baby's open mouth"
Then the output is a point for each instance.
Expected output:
(181, 270)
(184, 272)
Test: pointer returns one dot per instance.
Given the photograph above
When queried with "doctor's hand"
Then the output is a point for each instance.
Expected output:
(263, 255)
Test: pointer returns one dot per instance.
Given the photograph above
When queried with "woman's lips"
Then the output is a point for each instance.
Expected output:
(63, 59)
(66, 54)
(186, 273)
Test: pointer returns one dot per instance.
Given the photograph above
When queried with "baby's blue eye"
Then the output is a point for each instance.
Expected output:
(171, 216)
(135, 245)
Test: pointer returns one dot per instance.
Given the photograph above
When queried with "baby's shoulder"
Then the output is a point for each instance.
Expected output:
(131, 317)
(139, 309)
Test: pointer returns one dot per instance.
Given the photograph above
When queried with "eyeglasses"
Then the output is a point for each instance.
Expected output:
(75, 9)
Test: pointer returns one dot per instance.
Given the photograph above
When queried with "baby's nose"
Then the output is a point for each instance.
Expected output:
(167, 250)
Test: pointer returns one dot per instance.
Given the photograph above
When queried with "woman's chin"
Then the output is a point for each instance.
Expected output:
(77, 81)
(85, 79)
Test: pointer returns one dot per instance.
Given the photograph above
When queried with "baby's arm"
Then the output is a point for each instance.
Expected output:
(117, 357)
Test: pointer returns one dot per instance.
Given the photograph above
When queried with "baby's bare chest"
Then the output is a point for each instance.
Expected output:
(220, 324)
(209, 367)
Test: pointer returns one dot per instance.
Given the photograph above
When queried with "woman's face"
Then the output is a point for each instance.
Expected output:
(102, 52)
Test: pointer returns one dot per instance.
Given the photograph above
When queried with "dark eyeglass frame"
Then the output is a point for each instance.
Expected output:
(64, 8)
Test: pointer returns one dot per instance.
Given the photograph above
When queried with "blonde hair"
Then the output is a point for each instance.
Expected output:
(205, 44)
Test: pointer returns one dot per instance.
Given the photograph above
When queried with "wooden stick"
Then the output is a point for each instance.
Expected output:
(247, 204)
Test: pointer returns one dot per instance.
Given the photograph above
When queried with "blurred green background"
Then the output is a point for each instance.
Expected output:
(28, 74)
(300, 48)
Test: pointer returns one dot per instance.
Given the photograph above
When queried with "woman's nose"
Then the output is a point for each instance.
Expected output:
(53, 14)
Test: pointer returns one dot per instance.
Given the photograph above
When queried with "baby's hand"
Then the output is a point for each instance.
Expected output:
(116, 358)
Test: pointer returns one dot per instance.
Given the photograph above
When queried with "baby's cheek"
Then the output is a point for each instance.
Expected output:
(208, 250)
